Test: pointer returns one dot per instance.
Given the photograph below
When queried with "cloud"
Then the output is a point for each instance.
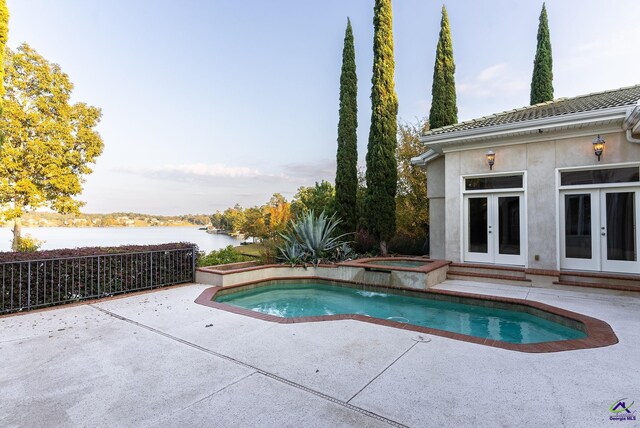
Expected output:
(194, 169)
(496, 81)
(322, 169)
(240, 178)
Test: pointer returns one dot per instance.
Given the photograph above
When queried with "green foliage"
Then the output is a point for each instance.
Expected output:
(380, 212)
(444, 110)
(231, 219)
(4, 33)
(291, 252)
(318, 198)
(253, 225)
(347, 154)
(48, 142)
(221, 257)
(412, 204)
(28, 244)
(311, 239)
(542, 80)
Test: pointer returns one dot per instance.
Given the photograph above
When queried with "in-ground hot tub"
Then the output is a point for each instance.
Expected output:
(505, 323)
(415, 264)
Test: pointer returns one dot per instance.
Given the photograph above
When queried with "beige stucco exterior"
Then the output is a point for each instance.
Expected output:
(539, 156)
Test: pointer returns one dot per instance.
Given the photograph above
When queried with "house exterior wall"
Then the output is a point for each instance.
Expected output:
(436, 195)
(539, 160)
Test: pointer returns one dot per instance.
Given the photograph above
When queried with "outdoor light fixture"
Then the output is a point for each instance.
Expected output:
(491, 158)
(598, 146)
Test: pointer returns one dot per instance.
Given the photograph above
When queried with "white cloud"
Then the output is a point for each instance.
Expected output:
(491, 73)
(195, 169)
(497, 81)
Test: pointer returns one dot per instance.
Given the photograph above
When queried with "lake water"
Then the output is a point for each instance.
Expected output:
(70, 237)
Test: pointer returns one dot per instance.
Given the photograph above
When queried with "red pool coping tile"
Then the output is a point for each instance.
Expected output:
(428, 266)
(599, 333)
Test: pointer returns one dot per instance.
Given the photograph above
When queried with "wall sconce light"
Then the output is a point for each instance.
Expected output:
(491, 158)
(598, 146)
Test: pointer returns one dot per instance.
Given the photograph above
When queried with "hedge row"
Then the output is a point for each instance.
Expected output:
(10, 256)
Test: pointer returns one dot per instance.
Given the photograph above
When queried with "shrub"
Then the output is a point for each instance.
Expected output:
(28, 244)
(365, 244)
(269, 250)
(408, 245)
(11, 256)
(221, 257)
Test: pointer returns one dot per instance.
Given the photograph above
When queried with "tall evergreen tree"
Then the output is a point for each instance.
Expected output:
(382, 173)
(347, 155)
(542, 81)
(444, 110)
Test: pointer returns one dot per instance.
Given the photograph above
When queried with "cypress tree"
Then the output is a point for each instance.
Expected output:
(444, 110)
(382, 173)
(542, 81)
(347, 155)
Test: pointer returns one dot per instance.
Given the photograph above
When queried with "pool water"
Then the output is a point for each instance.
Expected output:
(316, 299)
(399, 263)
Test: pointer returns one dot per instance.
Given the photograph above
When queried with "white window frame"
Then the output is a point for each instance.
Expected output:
(523, 190)
(577, 187)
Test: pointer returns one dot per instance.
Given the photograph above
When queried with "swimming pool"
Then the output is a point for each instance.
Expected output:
(469, 316)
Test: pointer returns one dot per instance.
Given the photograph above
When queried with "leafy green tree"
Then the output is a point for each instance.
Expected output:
(318, 198)
(4, 33)
(253, 225)
(380, 213)
(444, 110)
(49, 142)
(542, 80)
(412, 204)
(347, 155)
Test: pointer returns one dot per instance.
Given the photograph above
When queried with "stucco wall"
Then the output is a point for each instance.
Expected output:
(436, 194)
(539, 159)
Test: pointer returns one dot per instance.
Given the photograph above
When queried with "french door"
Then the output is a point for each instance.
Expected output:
(599, 229)
(494, 228)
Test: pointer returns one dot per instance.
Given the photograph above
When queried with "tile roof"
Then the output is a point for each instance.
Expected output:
(562, 106)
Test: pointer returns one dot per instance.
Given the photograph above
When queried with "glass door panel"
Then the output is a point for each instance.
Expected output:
(509, 225)
(577, 233)
(478, 226)
(579, 219)
(619, 232)
(508, 220)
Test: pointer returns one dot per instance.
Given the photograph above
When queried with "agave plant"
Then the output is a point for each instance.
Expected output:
(291, 252)
(344, 252)
(314, 235)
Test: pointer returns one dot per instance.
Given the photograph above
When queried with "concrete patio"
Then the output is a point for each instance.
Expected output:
(159, 359)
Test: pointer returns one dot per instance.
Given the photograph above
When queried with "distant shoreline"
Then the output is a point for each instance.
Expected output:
(24, 226)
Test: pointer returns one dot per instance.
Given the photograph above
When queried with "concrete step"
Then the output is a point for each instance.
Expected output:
(511, 271)
(600, 278)
(488, 277)
(584, 284)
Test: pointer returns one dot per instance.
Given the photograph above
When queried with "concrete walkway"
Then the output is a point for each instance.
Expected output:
(158, 359)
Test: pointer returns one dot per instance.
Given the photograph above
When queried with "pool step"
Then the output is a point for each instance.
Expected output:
(609, 281)
(488, 273)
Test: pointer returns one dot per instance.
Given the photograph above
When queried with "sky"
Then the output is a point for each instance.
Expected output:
(209, 103)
